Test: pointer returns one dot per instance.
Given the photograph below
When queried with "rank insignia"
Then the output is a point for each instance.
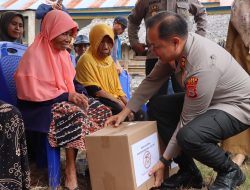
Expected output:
(183, 62)
(191, 87)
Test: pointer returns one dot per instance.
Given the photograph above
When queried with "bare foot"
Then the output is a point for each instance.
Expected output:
(70, 170)
(239, 159)
(70, 179)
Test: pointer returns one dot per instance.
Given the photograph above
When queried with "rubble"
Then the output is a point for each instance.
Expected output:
(217, 28)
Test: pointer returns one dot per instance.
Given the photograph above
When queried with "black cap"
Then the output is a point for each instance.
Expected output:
(121, 20)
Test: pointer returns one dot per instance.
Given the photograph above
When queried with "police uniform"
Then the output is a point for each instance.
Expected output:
(144, 9)
(147, 8)
(215, 106)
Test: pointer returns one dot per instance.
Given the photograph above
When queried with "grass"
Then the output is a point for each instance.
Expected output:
(209, 175)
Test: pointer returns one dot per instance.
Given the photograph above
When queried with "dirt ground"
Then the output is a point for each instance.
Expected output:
(39, 176)
(39, 180)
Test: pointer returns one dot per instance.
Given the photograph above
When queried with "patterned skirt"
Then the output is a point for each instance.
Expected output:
(70, 123)
(14, 167)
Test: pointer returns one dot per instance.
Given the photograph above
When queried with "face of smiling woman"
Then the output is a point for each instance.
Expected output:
(15, 28)
(62, 41)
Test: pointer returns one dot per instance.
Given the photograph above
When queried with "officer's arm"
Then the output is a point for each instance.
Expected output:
(42, 10)
(200, 16)
(134, 20)
(200, 87)
(149, 86)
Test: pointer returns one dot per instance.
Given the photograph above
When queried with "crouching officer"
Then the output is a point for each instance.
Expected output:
(214, 107)
(143, 10)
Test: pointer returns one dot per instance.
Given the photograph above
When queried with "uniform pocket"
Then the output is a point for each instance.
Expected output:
(183, 9)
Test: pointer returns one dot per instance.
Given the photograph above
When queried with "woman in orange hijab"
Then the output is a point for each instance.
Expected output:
(46, 92)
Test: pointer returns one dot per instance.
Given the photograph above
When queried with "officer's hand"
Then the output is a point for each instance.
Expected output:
(158, 172)
(139, 48)
(57, 6)
(115, 120)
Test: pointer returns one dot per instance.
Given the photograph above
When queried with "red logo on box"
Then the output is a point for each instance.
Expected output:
(147, 159)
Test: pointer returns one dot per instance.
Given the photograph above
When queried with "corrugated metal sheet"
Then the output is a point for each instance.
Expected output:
(226, 2)
(70, 4)
(79, 4)
(222, 2)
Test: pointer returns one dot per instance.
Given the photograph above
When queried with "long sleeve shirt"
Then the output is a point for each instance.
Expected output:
(43, 9)
(212, 79)
(144, 9)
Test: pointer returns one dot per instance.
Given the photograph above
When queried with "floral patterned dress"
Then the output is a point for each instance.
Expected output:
(70, 123)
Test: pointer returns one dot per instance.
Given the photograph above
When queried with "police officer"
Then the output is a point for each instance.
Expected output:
(144, 9)
(214, 107)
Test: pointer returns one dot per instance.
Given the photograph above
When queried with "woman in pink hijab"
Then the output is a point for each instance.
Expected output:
(46, 92)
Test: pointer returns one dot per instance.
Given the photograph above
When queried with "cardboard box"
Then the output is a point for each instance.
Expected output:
(120, 158)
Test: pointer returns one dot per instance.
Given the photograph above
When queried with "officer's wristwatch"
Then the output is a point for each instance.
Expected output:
(165, 161)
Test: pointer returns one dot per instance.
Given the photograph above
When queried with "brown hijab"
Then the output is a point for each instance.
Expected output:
(240, 18)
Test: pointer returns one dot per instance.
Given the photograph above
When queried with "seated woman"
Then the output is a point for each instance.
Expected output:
(14, 167)
(96, 69)
(46, 92)
(12, 27)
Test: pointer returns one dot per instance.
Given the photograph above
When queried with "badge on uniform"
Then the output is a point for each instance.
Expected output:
(183, 62)
(191, 87)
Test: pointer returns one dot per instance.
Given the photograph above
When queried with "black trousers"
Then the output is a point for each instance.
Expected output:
(199, 138)
(166, 110)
